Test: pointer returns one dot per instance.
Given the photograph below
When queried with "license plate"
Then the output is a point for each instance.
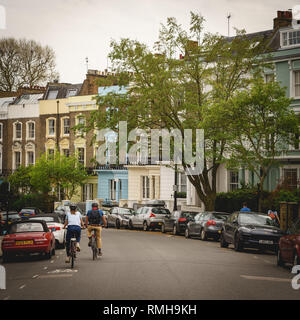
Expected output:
(265, 241)
(23, 243)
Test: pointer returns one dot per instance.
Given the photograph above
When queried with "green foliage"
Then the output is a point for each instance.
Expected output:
(20, 180)
(181, 194)
(233, 201)
(41, 201)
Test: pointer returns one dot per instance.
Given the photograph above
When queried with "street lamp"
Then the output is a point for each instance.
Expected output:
(57, 125)
(175, 189)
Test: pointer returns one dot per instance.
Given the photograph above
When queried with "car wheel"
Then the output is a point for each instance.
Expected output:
(163, 230)
(296, 261)
(203, 235)
(145, 227)
(130, 226)
(187, 233)
(5, 257)
(48, 255)
(223, 243)
(174, 230)
(53, 251)
(237, 243)
(280, 262)
(118, 224)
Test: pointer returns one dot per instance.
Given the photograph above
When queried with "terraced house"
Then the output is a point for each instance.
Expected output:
(284, 42)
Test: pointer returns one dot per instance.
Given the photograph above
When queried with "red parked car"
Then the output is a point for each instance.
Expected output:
(26, 237)
(289, 247)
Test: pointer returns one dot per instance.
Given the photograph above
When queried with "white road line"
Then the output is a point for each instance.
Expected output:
(266, 278)
(23, 286)
(35, 276)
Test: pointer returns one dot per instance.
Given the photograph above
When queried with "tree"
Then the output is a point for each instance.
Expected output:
(20, 180)
(25, 63)
(264, 127)
(58, 172)
(167, 92)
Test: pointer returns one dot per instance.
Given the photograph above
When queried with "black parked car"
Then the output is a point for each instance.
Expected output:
(206, 225)
(251, 230)
(118, 217)
(177, 221)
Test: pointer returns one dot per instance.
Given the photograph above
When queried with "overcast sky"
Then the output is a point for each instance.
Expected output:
(76, 29)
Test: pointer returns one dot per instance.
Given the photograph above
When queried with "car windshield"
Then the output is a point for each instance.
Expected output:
(125, 211)
(219, 215)
(26, 227)
(47, 219)
(189, 214)
(160, 211)
(256, 219)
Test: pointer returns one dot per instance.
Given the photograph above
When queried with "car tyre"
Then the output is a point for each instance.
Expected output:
(145, 226)
(238, 246)
(118, 225)
(280, 262)
(5, 257)
(187, 233)
(130, 226)
(163, 230)
(174, 230)
(203, 235)
(296, 260)
(223, 243)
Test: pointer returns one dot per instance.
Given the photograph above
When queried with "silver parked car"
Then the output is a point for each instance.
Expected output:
(148, 218)
(119, 217)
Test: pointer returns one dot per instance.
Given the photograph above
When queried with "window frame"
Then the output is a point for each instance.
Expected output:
(28, 123)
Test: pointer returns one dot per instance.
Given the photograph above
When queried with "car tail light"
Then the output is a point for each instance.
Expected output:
(20, 213)
(40, 241)
(8, 242)
(182, 219)
(211, 223)
(152, 215)
(54, 228)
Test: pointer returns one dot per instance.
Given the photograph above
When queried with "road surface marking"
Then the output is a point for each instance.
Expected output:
(35, 276)
(266, 278)
(51, 261)
(23, 286)
(62, 271)
(45, 268)
(65, 275)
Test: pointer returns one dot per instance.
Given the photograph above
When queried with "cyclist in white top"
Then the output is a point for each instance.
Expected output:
(75, 223)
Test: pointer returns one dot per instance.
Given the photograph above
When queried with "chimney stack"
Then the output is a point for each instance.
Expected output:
(283, 19)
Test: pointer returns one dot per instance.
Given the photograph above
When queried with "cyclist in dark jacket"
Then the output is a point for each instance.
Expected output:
(94, 220)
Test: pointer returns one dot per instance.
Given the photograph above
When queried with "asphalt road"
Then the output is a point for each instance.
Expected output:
(142, 265)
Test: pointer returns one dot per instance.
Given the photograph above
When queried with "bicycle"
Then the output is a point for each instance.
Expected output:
(73, 242)
(94, 245)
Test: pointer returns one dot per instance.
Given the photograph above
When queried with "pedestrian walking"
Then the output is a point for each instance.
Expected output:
(245, 208)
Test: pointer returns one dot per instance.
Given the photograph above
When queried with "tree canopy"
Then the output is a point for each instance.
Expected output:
(25, 63)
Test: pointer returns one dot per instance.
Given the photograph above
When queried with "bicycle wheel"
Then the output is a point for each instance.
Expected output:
(94, 247)
(72, 254)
